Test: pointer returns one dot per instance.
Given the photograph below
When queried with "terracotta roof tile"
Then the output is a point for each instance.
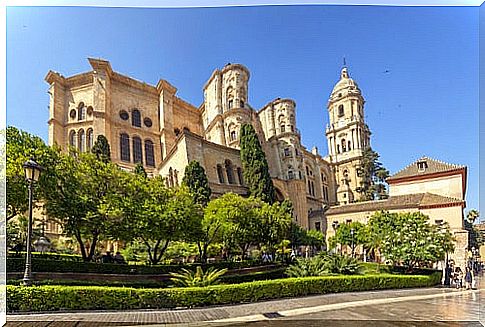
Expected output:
(407, 201)
(433, 166)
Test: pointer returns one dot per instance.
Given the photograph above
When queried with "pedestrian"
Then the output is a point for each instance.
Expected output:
(468, 278)
(448, 275)
(458, 277)
(119, 258)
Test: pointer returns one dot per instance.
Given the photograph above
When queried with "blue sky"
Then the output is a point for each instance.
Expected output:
(426, 105)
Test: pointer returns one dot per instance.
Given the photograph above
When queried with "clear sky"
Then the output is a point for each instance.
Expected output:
(427, 104)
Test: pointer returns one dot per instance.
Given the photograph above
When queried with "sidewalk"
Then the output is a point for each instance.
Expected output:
(227, 314)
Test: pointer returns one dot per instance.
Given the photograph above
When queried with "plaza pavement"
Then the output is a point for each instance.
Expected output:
(407, 307)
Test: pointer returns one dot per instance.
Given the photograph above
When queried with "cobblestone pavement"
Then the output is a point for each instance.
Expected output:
(411, 307)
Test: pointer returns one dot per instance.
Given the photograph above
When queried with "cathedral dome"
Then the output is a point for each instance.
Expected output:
(345, 83)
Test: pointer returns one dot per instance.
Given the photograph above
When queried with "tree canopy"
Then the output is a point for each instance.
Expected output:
(373, 176)
(255, 166)
(102, 149)
(196, 181)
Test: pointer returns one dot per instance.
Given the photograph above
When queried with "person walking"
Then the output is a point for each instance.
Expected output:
(468, 278)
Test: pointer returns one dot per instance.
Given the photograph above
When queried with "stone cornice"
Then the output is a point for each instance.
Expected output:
(276, 101)
(164, 85)
(235, 66)
(101, 65)
(53, 77)
(214, 74)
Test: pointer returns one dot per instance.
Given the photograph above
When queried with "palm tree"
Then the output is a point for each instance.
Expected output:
(472, 216)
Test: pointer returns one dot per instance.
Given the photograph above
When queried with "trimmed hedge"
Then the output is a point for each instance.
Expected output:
(53, 298)
(373, 268)
(228, 279)
(47, 265)
(47, 255)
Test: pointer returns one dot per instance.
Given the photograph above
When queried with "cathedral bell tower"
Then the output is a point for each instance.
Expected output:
(347, 136)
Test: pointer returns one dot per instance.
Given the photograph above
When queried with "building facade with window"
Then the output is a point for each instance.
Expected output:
(150, 125)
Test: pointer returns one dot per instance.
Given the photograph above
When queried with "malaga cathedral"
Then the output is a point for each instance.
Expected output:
(151, 125)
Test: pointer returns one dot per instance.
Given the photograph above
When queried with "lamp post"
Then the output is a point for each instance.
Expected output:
(32, 173)
(352, 240)
(335, 226)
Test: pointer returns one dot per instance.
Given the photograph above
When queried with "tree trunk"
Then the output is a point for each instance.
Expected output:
(92, 247)
(79, 239)
(162, 251)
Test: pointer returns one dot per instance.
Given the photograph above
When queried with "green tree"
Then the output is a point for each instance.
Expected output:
(343, 235)
(78, 195)
(22, 146)
(149, 212)
(102, 149)
(242, 217)
(472, 215)
(196, 180)
(275, 224)
(373, 176)
(139, 170)
(415, 242)
(475, 236)
(255, 166)
(214, 226)
(379, 226)
(315, 239)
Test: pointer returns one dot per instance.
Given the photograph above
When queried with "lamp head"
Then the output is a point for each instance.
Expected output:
(32, 170)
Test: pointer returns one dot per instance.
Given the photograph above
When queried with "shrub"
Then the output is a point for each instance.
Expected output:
(47, 265)
(307, 267)
(47, 255)
(190, 278)
(53, 298)
(226, 279)
(341, 264)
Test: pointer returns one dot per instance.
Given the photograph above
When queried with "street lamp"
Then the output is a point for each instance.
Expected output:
(352, 240)
(32, 173)
(335, 226)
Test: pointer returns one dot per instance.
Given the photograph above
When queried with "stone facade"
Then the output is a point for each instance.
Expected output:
(151, 125)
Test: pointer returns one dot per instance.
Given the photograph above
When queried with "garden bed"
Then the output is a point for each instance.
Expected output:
(55, 298)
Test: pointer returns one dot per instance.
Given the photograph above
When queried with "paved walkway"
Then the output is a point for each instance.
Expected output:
(355, 307)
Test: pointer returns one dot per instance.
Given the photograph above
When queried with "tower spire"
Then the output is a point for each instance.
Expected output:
(345, 63)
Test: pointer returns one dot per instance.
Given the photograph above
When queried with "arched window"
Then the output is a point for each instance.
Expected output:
(72, 138)
(291, 175)
(350, 146)
(344, 146)
(240, 176)
(338, 148)
(286, 151)
(137, 152)
(136, 118)
(89, 136)
(282, 128)
(229, 172)
(341, 110)
(81, 111)
(220, 174)
(149, 153)
(233, 135)
(242, 103)
(309, 187)
(81, 140)
(230, 104)
(125, 147)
